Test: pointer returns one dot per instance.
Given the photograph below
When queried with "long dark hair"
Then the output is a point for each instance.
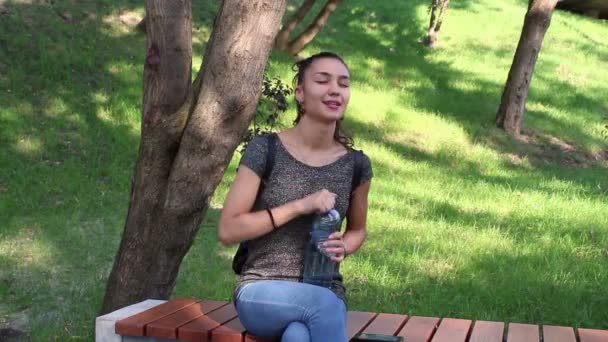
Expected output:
(300, 68)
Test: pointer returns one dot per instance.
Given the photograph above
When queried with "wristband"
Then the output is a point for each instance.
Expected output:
(274, 225)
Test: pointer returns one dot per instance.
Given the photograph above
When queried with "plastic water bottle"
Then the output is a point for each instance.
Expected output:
(318, 267)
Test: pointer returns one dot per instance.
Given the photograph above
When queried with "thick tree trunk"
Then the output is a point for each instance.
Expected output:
(283, 36)
(438, 10)
(299, 43)
(188, 136)
(511, 111)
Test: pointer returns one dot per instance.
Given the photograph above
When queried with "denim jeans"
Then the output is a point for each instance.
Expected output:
(295, 311)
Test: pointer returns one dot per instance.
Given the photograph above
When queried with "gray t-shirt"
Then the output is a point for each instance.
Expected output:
(279, 254)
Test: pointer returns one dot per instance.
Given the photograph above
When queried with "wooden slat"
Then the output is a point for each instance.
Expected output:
(558, 334)
(135, 325)
(523, 333)
(356, 321)
(452, 330)
(200, 328)
(166, 327)
(486, 331)
(419, 329)
(386, 324)
(232, 331)
(593, 335)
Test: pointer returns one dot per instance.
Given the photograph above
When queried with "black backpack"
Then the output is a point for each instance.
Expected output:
(241, 253)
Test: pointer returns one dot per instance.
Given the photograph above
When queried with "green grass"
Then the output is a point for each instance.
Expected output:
(463, 221)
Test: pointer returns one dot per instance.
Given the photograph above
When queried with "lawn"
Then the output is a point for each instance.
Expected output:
(464, 221)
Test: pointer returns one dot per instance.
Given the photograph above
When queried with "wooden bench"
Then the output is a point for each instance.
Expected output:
(217, 321)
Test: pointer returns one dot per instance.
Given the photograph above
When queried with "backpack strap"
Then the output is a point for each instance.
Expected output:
(271, 151)
(357, 171)
(240, 257)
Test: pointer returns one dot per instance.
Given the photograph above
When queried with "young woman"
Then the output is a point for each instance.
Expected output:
(312, 173)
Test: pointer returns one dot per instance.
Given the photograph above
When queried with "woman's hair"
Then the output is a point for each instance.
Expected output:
(300, 68)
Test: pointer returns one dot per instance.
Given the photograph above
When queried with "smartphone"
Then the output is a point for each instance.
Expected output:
(377, 338)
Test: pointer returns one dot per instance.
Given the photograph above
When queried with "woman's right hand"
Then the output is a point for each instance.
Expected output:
(319, 202)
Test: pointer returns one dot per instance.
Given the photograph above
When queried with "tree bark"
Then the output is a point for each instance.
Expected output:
(282, 39)
(438, 10)
(299, 43)
(511, 111)
(189, 133)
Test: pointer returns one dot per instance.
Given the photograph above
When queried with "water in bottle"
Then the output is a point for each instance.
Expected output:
(318, 267)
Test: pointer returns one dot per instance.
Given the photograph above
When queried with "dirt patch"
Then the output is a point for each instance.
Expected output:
(3, 11)
(545, 148)
(540, 148)
(601, 155)
(16, 328)
(125, 17)
(9, 334)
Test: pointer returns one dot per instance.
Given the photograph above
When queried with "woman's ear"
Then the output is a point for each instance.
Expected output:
(299, 94)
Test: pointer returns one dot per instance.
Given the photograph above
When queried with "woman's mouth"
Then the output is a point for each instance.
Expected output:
(333, 105)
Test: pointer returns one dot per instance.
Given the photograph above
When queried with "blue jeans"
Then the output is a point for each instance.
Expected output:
(294, 311)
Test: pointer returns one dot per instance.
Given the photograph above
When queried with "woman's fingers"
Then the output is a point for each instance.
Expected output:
(334, 236)
(335, 247)
(320, 202)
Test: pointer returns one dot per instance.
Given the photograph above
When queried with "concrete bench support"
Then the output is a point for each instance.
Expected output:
(104, 325)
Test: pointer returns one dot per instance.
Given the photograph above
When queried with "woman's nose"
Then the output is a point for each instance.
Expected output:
(334, 88)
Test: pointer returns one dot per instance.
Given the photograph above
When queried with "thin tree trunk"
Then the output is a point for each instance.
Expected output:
(444, 9)
(511, 111)
(438, 10)
(189, 134)
(283, 35)
(299, 43)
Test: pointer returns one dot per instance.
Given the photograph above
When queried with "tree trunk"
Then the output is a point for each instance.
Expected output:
(189, 134)
(299, 43)
(444, 9)
(511, 111)
(283, 36)
(438, 10)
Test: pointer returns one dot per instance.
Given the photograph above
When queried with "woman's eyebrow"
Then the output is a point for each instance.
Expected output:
(324, 73)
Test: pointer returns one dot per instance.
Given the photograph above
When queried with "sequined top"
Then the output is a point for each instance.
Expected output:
(279, 254)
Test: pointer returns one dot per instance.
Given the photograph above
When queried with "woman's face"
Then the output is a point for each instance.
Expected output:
(325, 90)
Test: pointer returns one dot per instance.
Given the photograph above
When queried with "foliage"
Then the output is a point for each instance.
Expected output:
(273, 103)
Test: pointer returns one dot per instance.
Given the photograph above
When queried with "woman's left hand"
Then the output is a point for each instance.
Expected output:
(335, 246)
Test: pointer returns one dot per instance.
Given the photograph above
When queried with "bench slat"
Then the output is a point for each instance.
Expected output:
(558, 334)
(452, 330)
(232, 331)
(523, 333)
(593, 335)
(195, 320)
(487, 331)
(357, 321)
(419, 329)
(166, 327)
(386, 324)
(135, 325)
(200, 328)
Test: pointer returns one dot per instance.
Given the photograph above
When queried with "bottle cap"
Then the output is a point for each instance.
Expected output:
(334, 214)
